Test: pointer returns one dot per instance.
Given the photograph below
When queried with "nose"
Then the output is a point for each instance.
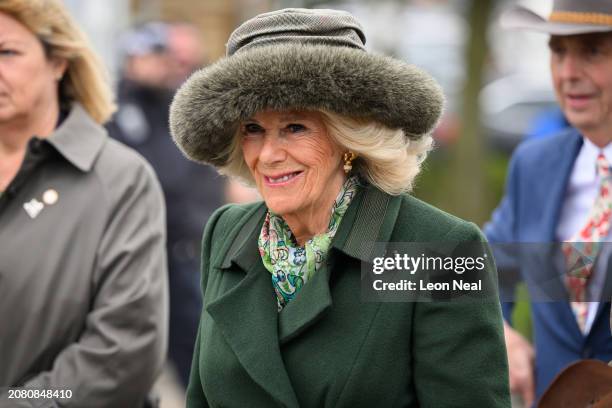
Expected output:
(273, 149)
(569, 66)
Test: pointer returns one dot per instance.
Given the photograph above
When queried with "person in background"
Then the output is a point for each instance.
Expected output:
(186, 52)
(83, 279)
(558, 191)
(159, 56)
(332, 137)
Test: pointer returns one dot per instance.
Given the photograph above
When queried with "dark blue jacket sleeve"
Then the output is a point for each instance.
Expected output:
(501, 232)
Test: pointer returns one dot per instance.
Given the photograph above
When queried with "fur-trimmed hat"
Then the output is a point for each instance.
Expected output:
(299, 59)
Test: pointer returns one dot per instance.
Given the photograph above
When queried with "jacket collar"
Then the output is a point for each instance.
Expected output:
(79, 139)
(370, 219)
(247, 316)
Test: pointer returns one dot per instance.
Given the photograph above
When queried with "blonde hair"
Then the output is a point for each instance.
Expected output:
(386, 158)
(85, 80)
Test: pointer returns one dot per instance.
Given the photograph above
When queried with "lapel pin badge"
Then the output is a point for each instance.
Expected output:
(50, 196)
(33, 207)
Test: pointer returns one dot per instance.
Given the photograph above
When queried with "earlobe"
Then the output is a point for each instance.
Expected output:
(60, 66)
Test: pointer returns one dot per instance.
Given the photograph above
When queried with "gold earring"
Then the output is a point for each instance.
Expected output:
(348, 161)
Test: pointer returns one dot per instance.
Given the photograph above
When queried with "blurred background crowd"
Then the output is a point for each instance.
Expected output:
(459, 42)
(494, 100)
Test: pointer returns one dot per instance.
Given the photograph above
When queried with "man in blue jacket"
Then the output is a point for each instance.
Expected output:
(558, 191)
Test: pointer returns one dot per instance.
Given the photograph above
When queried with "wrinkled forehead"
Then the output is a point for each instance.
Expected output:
(287, 115)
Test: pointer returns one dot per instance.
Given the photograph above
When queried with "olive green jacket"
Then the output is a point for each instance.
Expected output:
(327, 348)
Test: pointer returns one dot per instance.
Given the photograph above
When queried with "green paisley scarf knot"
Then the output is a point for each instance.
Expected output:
(291, 265)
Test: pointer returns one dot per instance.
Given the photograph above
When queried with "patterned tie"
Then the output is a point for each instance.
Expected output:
(582, 249)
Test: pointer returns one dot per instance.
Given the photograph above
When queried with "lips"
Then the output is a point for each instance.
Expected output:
(282, 179)
(578, 101)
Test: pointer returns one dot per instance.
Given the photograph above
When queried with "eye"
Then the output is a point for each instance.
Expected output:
(593, 50)
(7, 52)
(252, 128)
(557, 50)
(296, 127)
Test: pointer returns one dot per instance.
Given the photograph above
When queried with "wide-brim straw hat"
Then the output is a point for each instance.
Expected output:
(299, 59)
(568, 17)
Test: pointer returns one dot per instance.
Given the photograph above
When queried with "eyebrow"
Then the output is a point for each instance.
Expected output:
(11, 42)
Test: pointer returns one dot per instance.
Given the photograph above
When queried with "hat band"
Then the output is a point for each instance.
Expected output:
(576, 17)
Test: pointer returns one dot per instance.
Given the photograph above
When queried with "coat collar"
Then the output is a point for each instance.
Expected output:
(79, 138)
(246, 314)
(370, 219)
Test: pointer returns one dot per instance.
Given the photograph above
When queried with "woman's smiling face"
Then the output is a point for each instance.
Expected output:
(295, 164)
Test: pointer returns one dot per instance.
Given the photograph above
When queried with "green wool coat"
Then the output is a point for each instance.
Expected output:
(327, 348)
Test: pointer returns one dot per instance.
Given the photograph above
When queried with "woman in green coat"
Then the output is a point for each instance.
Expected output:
(332, 136)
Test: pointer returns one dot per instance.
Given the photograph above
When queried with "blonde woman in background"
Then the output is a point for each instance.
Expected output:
(82, 235)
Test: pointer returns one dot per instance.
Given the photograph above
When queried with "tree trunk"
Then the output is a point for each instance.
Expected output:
(466, 184)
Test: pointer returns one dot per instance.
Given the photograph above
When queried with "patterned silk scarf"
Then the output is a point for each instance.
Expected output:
(291, 265)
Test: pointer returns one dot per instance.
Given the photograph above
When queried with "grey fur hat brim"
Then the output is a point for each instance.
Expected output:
(207, 109)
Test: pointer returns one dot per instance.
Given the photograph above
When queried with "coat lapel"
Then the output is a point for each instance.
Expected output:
(603, 310)
(604, 298)
(546, 194)
(309, 306)
(372, 220)
(248, 318)
(553, 177)
(369, 218)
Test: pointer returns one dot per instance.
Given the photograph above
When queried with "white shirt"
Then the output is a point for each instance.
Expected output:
(582, 190)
